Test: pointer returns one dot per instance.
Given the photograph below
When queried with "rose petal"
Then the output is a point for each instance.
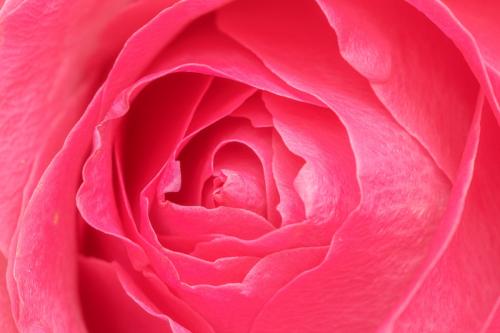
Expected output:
(327, 183)
(7, 323)
(197, 160)
(392, 44)
(156, 298)
(181, 220)
(492, 323)
(481, 20)
(286, 166)
(442, 17)
(255, 111)
(377, 250)
(231, 308)
(223, 97)
(41, 102)
(104, 302)
(465, 282)
(291, 236)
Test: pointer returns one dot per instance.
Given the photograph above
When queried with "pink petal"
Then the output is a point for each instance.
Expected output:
(286, 166)
(465, 283)
(231, 308)
(481, 20)
(327, 183)
(107, 307)
(180, 220)
(393, 45)
(255, 111)
(42, 88)
(7, 323)
(291, 236)
(377, 250)
(156, 298)
(492, 323)
(442, 17)
(223, 97)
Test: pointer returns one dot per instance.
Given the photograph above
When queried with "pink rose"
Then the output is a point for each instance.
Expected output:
(250, 166)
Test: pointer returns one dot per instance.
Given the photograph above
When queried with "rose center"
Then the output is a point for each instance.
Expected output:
(235, 189)
(237, 180)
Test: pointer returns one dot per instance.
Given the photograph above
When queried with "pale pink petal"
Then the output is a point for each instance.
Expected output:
(414, 69)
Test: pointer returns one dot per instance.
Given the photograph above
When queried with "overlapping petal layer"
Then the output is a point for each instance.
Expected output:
(248, 173)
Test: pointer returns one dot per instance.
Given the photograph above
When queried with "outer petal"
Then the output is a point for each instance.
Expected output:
(42, 91)
(445, 19)
(481, 20)
(7, 323)
(414, 69)
(465, 283)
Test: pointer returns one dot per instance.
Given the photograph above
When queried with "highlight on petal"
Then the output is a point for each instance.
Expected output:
(465, 300)
(431, 96)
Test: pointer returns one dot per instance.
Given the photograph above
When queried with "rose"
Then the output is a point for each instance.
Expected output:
(284, 166)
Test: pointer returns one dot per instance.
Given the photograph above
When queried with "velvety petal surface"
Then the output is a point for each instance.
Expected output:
(462, 302)
(414, 69)
(44, 62)
(107, 307)
(375, 253)
(444, 18)
(7, 323)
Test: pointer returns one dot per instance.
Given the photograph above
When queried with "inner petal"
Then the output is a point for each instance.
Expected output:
(238, 180)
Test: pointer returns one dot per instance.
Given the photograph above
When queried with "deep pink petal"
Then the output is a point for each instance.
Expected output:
(255, 111)
(157, 299)
(492, 323)
(231, 308)
(465, 282)
(223, 97)
(442, 17)
(107, 307)
(180, 220)
(286, 166)
(158, 120)
(7, 323)
(291, 236)
(414, 69)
